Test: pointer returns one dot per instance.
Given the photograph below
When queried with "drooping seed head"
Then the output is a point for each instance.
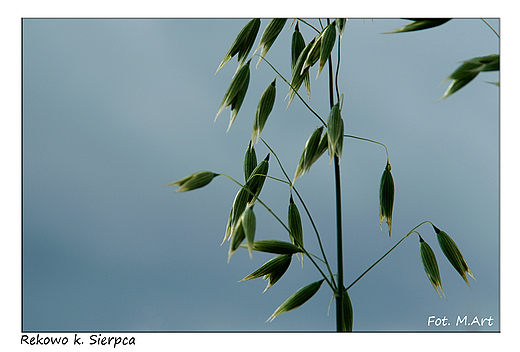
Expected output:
(468, 70)
(314, 53)
(236, 239)
(250, 161)
(386, 198)
(271, 32)
(238, 207)
(194, 181)
(243, 43)
(265, 105)
(453, 254)
(297, 299)
(275, 247)
(248, 220)
(297, 45)
(309, 154)
(420, 24)
(257, 179)
(272, 270)
(295, 224)
(335, 130)
(299, 74)
(429, 263)
(235, 93)
(327, 44)
(341, 23)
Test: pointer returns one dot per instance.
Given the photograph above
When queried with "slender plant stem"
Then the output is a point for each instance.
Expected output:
(369, 140)
(290, 86)
(337, 68)
(339, 233)
(390, 250)
(493, 29)
(308, 24)
(340, 320)
(306, 210)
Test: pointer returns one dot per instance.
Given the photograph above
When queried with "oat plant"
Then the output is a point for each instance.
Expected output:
(316, 54)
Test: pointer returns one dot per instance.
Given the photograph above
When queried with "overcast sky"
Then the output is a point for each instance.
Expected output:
(115, 109)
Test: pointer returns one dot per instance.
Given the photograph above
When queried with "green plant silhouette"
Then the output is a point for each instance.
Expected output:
(316, 54)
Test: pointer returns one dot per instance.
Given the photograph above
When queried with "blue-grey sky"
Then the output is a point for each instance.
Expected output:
(115, 109)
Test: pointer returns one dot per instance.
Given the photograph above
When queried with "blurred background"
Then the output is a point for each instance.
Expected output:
(114, 109)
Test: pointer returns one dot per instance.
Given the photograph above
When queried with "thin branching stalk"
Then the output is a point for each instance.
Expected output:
(339, 227)
(298, 94)
(493, 29)
(390, 250)
(308, 24)
(285, 226)
(306, 211)
(337, 68)
(368, 140)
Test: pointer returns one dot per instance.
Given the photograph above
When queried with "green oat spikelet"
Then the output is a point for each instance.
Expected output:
(335, 130)
(264, 108)
(297, 299)
(194, 181)
(386, 198)
(248, 220)
(297, 46)
(236, 92)
(271, 32)
(329, 38)
(310, 153)
(314, 53)
(341, 23)
(299, 74)
(468, 70)
(275, 247)
(420, 24)
(257, 179)
(272, 270)
(238, 207)
(242, 44)
(453, 254)
(250, 161)
(236, 239)
(295, 224)
(431, 268)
